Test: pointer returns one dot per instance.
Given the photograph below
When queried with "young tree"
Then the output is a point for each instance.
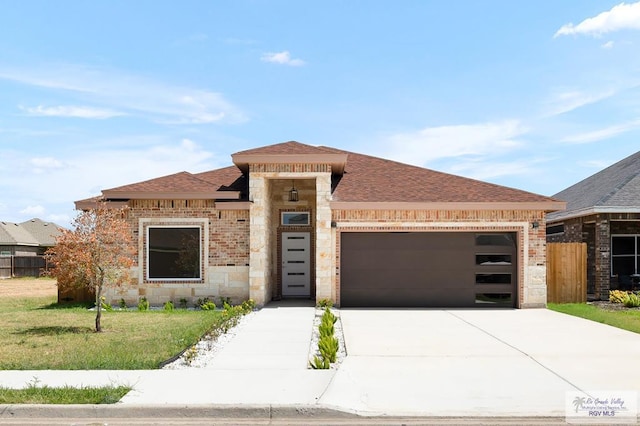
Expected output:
(96, 254)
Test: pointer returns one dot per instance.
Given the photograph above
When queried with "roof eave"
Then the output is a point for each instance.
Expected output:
(171, 195)
(572, 214)
(547, 206)
(337, 161)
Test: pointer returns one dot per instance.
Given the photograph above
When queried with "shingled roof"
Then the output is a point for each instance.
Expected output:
(358, 178)
(615, 189)
(372, 179)
(34, 232)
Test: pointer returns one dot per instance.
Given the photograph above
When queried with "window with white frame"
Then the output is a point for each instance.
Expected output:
(625, 255)
(174, 252)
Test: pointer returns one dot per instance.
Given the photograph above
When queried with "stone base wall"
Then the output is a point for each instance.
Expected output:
(221, 281)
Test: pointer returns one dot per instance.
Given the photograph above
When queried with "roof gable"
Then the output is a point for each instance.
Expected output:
(290, 152)
(616, 188)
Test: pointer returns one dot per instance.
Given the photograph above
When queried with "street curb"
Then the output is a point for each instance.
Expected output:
(253, 413)
(36, 411)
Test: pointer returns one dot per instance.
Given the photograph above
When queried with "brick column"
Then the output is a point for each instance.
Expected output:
(602, 258)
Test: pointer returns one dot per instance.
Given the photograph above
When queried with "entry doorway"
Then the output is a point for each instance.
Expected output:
(296, 264)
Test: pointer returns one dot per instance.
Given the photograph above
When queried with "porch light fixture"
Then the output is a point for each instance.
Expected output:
(293, 193)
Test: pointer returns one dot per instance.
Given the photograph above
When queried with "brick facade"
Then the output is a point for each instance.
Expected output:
(596, 230)
(224, 258)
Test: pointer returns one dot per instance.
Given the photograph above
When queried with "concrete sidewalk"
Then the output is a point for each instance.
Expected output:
(449, 363)
(265, 363)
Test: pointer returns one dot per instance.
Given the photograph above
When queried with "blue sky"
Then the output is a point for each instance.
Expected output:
(535, 95)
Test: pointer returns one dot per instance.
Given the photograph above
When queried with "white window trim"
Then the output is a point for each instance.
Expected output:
(635, 255)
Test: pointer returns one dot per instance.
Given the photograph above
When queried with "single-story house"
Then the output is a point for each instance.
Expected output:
(603, 211)
(22, 246)
(30, 238)
(297, 221)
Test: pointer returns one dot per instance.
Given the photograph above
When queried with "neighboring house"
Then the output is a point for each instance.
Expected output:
(30, 238)
(298, 221)
(22, 246)
(603, 211)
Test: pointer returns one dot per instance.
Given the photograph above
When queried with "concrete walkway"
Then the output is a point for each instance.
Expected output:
(476, 363)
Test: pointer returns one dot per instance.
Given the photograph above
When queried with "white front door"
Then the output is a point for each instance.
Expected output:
(296, 266)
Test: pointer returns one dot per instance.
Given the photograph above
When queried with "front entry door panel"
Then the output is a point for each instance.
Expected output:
(296, 266)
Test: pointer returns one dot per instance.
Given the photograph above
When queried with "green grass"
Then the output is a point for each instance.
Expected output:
(625, 319)
(65, 395)
(38, 334)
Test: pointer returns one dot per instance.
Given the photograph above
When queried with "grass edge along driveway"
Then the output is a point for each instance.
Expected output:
(626, 319)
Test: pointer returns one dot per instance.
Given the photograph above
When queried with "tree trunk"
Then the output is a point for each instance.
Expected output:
(98, 308)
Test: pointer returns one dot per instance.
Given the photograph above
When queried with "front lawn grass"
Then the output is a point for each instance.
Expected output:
(65, 395)
(38, 334)
(625, 319)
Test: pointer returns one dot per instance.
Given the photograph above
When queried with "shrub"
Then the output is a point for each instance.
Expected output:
(319, 363)
(617, 296)
(632, 300)
(123, 304)
(324, 303)
(143, 304)
(104, 305)
(206, 304)
(168, 306)
(328, 347)
(183, 303)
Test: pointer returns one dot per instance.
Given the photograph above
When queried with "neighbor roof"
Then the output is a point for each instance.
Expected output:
(34, 232)
(44, 232)
(615, 189)
(357, 178)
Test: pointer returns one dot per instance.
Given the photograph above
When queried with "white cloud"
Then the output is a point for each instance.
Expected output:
(569, 100)
(42, 164)
(607, 45)
(621, 17)
(127, 93)
(434, 143)
(602, 134)
(85, 172)
(283, 58)
(33, 211)
(71, 111)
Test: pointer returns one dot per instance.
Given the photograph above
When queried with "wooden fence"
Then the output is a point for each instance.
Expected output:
(21, 266)
(566, 272)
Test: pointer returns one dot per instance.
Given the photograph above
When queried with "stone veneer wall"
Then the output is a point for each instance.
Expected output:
(532, 287)
(266, 183)
(225, 259)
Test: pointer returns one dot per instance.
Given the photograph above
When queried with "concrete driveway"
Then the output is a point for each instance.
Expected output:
(477, 362)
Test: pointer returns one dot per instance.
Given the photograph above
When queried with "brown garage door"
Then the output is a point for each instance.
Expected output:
(428, 269)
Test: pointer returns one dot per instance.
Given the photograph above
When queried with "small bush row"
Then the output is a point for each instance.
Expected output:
(205, 304)
(328, 344)
(628, 299)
